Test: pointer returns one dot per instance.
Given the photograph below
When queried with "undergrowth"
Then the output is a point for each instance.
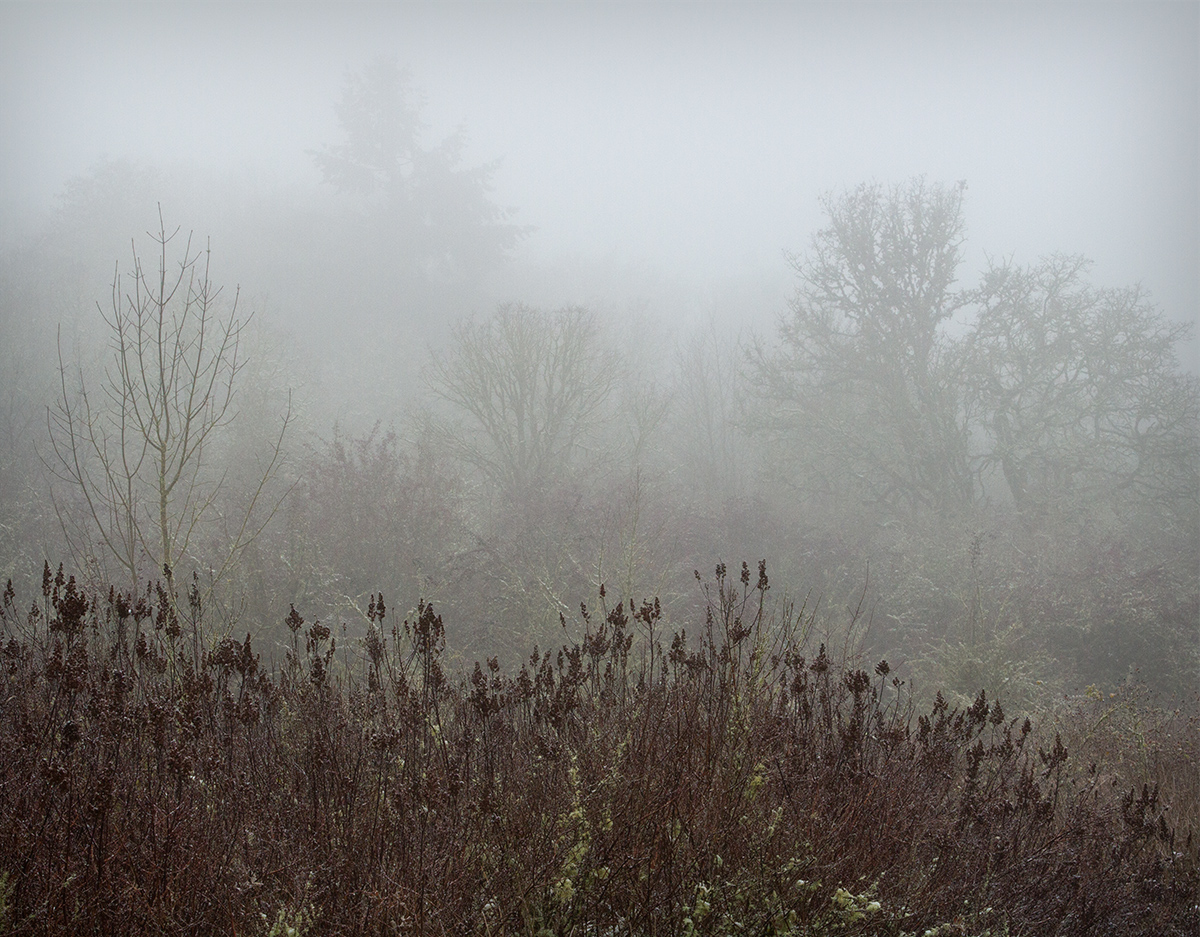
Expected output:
(636, 780)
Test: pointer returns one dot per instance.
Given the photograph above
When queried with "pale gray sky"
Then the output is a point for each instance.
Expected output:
(695, 138)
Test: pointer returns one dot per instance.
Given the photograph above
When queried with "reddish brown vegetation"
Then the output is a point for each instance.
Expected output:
(612, 786)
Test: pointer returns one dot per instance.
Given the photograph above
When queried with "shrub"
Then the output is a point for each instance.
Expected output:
(634, 780)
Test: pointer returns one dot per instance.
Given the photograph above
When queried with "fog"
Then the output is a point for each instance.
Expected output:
(689, 140)
(538, 299)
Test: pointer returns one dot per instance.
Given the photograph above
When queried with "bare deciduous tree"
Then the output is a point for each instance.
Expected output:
(708, 396)
(1079, 392)
(133, 444)
(864, 388)
(531, 384)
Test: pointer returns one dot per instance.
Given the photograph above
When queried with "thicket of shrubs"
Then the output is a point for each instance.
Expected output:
(634, 780)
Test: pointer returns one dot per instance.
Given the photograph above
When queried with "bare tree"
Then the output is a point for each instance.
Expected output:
(863, 390)
(531, 385)
(528, 392)
(708, 390)
(1079, 393)
(134, 444)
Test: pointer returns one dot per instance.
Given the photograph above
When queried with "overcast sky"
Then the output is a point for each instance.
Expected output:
(693, 138)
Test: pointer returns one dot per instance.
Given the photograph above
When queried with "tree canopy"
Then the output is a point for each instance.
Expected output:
(1077, 391)
(1052, 393)
(864, 381)
(427, 205)
(530, 385)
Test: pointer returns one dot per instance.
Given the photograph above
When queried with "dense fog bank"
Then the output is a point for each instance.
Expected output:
(639, 310)
(994, 481)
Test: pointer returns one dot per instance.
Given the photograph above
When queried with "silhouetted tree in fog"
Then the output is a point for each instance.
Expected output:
(1079, 391)
(428, 209)
(1037, 477)
(528, 386)
(707, 397)
(133, 443)
(864, 390)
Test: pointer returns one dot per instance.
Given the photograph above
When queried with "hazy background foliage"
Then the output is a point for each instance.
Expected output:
(980, 458)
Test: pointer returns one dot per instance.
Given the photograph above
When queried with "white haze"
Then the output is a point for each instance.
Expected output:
(686, 143)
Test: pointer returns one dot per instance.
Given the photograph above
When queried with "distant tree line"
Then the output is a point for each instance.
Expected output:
(998, 481)
(1056, 398)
